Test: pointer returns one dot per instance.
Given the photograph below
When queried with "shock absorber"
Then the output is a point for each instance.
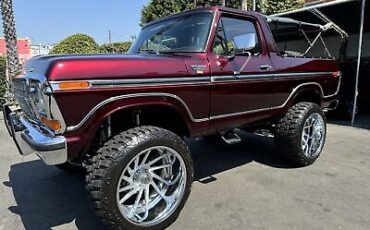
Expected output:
(109, 127)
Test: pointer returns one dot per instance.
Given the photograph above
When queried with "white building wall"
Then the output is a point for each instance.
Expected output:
(40, 49)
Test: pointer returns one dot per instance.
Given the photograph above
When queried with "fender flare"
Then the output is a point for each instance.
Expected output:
(141, 99)
(304, 88)
(313, 89)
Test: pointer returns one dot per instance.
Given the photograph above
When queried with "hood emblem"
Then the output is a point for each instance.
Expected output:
(31, 70)
(199, 69)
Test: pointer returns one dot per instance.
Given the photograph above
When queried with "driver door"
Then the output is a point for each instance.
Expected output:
(241, 72)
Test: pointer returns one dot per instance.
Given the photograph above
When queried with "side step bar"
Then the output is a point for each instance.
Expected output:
(231, 138)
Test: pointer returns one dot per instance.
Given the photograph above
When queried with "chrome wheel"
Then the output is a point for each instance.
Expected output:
(151, 186)
(313, 135)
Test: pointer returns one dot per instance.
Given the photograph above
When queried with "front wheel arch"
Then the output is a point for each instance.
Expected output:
(92, 127)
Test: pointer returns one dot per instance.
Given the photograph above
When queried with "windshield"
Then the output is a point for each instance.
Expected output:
(187, 33)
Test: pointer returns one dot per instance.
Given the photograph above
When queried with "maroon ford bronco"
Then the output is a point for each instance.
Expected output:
(198, 73)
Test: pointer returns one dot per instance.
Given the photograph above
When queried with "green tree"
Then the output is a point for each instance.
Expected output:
(3, 83)
(116, 47)
(279, 6)
(12, 56)
(76, 44)
(160, 8)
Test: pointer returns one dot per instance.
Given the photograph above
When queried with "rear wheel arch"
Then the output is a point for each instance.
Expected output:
(310, 93)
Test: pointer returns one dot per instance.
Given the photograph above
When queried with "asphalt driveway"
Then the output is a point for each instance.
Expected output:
(243, 186)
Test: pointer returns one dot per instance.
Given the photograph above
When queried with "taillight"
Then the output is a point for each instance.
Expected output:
(337, 74)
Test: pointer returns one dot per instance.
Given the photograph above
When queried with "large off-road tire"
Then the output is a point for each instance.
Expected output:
(140, 179)
(300, 135)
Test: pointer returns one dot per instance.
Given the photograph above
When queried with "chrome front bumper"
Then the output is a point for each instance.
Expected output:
(34, 138)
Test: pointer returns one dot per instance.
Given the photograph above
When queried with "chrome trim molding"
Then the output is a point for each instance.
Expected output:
(55, 114)
(159, 94)
(270, 108)
(184, 80)
(112, 99)
(238, 113)
(338, 87)
(237, 78)
(139, 82)
(284, 104)
(151, 81)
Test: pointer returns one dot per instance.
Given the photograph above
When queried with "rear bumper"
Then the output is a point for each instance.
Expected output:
(34, 138)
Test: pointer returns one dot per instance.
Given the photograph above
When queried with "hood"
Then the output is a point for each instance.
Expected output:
(106, 66)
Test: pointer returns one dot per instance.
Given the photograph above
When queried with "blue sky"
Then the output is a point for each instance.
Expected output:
(47, 22)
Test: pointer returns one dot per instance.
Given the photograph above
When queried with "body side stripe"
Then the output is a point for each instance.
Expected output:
(159, 94)
(173, 81)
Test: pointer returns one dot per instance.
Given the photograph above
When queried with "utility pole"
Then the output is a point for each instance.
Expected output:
(254, 5)
(195, 4)
(359, 55)
(245, 5)
(223, 3)
(10, 35)
(110, 37)
(110, 40)
(262, 6)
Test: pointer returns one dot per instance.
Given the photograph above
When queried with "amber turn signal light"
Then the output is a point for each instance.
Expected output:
(53, 124)
(73, 85)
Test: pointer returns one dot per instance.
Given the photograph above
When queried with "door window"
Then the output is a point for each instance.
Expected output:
(236, 37)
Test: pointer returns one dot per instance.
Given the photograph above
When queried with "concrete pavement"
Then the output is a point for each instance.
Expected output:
(244, 186)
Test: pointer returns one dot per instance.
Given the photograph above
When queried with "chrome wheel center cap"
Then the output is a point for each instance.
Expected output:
(144, 179)
(317, 136)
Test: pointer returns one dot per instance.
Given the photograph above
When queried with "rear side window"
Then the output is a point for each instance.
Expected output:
(236, 36)
(301, 39)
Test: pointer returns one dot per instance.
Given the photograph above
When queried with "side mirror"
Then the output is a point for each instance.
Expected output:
(245, 41)
(222, 61)
(231, 57)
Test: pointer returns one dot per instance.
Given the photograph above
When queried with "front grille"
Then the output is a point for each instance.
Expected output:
(21, 90)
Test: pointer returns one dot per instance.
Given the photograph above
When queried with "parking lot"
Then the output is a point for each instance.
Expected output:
(243, 186)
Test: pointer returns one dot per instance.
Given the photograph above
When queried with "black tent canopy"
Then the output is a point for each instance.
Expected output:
(349, 19)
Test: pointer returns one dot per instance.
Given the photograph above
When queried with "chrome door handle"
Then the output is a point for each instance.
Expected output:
(265, 67)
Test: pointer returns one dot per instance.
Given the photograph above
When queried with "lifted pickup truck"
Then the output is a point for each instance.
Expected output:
(203, 72)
